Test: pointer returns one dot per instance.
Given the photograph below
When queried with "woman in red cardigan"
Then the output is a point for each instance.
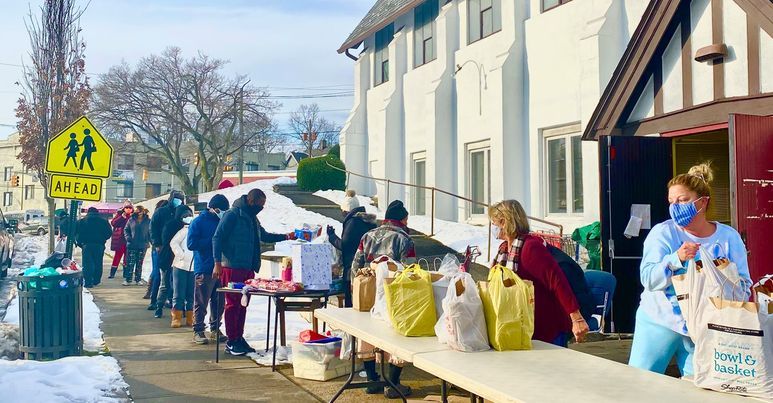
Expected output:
(556, 311)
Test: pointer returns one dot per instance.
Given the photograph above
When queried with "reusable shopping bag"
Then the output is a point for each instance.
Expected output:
(364, 290)
(734, 353)
(508, 306)
(385, 268)
(462, 325)
(410, 302)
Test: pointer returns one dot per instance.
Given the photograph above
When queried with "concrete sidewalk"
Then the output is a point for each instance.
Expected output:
(162, 364)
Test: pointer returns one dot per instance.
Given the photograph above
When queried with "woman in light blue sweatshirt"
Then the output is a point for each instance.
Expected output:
(661, 331)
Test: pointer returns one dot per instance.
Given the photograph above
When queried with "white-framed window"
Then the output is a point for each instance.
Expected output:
(424, 16)
(563, 170)
(419, 177)
(478, 175)
(124, 189)
(7, 199)
(7, 173)
(484, 17)
(29, 192)
(383, 38)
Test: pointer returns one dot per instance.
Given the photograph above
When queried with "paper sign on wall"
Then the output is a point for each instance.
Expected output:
(642, 211)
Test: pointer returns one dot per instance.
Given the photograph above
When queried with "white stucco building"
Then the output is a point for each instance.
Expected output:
(484, 98)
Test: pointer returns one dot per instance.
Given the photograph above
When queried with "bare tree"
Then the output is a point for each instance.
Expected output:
(310, 129)
(55, 87)
(173, 104)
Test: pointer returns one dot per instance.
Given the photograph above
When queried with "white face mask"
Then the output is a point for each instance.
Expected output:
(187, 220)
(495, 231)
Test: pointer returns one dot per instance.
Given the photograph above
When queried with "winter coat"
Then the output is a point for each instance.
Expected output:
(92, 229)
(118, 241)
(576, 278)
(390, 239)
(160, 217)
(166, 256)
(236, 243)
(183, 257)
(200, 233)
(137, 233)
(356, 224)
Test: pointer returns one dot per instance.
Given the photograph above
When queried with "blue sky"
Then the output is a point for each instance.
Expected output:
(281, 44)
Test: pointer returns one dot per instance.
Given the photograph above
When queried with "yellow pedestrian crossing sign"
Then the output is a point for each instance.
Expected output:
(79, 150)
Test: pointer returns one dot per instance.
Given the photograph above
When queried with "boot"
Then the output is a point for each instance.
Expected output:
(394, 377)
(113, 269)
(177, 317)
(370, 370)
(189, 318)
(147, 292)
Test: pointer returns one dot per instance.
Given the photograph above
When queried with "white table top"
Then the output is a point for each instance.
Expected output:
(377, 333)
(553, 374)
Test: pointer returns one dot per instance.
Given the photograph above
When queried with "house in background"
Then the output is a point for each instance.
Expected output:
(257, 161)
(294, 158)
(483, 98)
(20, 188)
(695, 84)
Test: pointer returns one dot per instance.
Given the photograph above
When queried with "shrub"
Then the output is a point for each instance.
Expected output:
(315, 174)
(335, 151)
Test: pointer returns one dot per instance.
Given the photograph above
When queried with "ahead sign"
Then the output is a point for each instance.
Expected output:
(79, 150)
(75, 188)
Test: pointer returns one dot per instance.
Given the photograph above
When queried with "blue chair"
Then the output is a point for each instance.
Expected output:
(601, 286)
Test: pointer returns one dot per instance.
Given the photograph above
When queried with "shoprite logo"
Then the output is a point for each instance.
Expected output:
(737, 389)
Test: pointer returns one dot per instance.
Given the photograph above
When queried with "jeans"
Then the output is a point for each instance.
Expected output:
(204, 294)
(92, 263)
(235, 313)
(655, 345)
(134, 259)
(155, 276)
(165, 290)
(182, 283)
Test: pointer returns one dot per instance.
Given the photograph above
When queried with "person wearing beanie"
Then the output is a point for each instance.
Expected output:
(161, 217)
(91, 233)
(390, 239)
(200, 233)
(349, 204)
(176, 232)
(137, 235)
(118, 241)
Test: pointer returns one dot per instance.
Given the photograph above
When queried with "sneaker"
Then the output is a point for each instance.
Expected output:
(141, 282)
(235, 348)
(374, 389)
(214, 335)
(137, 283)
(200, 338)
(391, 393)
(246, 345)
(125, 283)
(152, 307)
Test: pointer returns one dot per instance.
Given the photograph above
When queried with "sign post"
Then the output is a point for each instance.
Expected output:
(77, 160)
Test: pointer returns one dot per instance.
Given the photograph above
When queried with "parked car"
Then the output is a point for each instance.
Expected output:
(35, 226)
(6, 246)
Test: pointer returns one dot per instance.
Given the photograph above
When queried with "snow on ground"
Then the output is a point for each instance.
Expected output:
(28, 251)
(71, 379)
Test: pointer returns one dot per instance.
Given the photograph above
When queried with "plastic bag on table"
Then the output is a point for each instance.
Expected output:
(462, 325)
(508, 306)
(410, 302)
(449, 266)
(385, 268)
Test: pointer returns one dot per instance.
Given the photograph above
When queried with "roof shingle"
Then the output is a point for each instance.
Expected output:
(380, 15)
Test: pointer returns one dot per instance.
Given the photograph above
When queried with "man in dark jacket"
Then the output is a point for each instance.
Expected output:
(161, 216)
(356, 224)
(236, 249)
(91, 234)
(166, 256)
(200, 233)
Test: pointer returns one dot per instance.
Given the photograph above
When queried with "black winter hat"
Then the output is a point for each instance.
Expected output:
(396, 211)
(219, 202)
(176, 194)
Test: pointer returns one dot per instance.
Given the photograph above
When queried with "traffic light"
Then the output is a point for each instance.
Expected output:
(145, 175)
(15, 181)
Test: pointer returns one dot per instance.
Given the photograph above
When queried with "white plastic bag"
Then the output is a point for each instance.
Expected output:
(61, 245)
(462, 325)
(379, 310)
(449, 266)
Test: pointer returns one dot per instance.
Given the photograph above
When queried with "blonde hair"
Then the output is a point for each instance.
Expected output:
(351, 193)
(512, 216)
(697, 179)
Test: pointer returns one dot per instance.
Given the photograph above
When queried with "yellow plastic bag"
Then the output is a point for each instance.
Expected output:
(410, 302)
(508, 305)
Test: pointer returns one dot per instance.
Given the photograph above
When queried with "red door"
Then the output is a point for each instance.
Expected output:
(751, 155)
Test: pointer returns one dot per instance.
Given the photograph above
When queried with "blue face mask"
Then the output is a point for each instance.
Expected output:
(176, 202)
(683, 213)
(220, 214)
(187, 220)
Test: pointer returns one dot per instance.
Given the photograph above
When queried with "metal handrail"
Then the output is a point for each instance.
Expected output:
(434, 189)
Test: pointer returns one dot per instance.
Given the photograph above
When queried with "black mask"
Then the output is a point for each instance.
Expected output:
(254, 209)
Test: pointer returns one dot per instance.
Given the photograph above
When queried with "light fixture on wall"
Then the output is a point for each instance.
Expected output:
(481, 77)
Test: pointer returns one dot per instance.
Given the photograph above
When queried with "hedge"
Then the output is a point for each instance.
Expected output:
(315, 174)
(335, 151)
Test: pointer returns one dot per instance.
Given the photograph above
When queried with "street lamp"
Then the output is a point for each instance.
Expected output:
(481, 76)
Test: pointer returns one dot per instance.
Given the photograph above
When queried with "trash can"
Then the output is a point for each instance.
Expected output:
(50, 316)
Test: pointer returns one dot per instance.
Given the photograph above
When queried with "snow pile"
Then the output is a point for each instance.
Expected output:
(456, 236)
(9, 341)
(71, 379)
(92, 334)
(29, 251)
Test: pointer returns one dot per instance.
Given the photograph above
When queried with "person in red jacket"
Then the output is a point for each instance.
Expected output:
(118, 241)
(556, 311)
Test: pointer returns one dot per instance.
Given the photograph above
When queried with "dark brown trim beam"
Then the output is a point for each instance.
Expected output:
(717, 37)
(704, 114)
(753, 52)
(760, 11)
(685, 26)
(657, 82)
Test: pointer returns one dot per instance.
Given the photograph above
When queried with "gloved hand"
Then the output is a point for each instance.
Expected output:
(291, 236)
(330, 231)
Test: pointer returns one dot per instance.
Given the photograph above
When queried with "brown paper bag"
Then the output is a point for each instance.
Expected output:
(363, 293)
